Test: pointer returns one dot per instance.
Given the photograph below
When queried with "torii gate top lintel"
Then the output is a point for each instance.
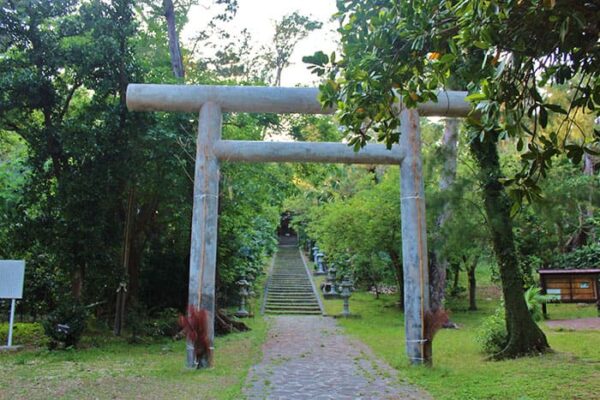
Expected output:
(212, 101)
(263, 99)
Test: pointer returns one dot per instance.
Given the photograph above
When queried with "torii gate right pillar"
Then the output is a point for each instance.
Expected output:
(414, 240)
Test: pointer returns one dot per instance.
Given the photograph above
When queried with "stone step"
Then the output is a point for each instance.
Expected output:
(290, 286)
(288, 312)
(307, 306)
(297, 301)
(290, 293)
(291, 308)
(290, 289)
(275, 293)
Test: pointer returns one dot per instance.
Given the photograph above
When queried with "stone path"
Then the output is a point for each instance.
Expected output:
(576, 324)
(308, 357)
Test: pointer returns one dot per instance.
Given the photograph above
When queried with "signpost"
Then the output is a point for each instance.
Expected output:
(12, 275)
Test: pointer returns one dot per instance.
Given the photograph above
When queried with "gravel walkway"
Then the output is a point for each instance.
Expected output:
(576, 324)
(308, 357)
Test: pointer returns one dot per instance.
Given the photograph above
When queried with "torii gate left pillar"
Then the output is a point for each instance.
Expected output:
(203, 250)
(212, 101)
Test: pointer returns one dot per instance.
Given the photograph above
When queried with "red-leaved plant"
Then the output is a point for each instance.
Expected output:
(434, 321)
(195, 328)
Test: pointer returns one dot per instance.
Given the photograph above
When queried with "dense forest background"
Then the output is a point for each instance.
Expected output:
(92, 196)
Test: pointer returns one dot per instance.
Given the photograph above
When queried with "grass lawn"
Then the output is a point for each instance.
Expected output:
(109, 368)
(106, 367)
(460, 371)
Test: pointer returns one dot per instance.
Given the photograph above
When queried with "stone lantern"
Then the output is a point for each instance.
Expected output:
(320, 264)
(244, 293)
(329, 286)
(315, 251)
(346, 288)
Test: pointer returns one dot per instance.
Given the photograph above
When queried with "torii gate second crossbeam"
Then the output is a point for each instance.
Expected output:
(212, 101)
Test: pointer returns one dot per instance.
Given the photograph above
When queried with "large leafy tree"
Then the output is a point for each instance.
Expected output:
(63, 80)
(504, 53)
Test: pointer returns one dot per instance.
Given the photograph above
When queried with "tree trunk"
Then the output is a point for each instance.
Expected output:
(77, 279)
(438, 265)
(456, 269)
(121, 291)
(472, 286)
(399, 273)
(174, 49)
(278, 76)
(524, 336)
(588, 170)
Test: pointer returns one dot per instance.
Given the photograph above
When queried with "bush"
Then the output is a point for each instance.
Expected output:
(492, 336)
(65, 325)
(534, 300)
(582, 258)
(24, 333)
(165, 323)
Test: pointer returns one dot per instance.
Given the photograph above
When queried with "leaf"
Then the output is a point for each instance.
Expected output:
(589, 151)
(476, 97)
(318, 58)
(556, 108)
(520, 144)
(543, 118)
(564, 28)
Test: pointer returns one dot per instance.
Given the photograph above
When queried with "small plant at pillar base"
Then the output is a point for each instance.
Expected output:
(195, 328)
(434, 321)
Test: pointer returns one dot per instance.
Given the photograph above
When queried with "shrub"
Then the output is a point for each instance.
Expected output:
(24, 333)
(582, 258)
(492, 335)
(534, 300)
(165, 323)
(65, 325)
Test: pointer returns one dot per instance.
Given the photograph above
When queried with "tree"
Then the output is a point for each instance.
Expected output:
(438, 264)
(288, 32)
(506, 51)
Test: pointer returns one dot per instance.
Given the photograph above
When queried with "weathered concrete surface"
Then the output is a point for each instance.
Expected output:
(203, 249)
(414, 239)
(258, 99)
(308, 357)
(255, 151)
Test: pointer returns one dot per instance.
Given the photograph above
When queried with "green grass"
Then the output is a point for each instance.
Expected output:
(460, 371)
(113, 368)
(106, 367)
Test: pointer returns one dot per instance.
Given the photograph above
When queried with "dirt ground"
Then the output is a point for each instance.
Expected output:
(576, 324)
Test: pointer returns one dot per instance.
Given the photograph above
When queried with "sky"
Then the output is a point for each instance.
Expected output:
(259, 16)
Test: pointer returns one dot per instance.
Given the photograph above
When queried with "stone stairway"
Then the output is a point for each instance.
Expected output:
(289, 289)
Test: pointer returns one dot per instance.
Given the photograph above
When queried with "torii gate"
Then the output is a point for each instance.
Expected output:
(212, 101)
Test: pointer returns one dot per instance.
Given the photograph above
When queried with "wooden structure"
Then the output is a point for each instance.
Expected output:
(211, 150)
(571, 285)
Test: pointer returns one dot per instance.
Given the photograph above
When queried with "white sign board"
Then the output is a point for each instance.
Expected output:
(12, 275)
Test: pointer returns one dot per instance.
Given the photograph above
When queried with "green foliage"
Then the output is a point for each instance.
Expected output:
(65, 324)
(534, 300)
(76, 168)
(24, 334)
(164, 323)
(583, 258)
(504, 53)
(288, 32)
(492, 336)
(363, 204)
